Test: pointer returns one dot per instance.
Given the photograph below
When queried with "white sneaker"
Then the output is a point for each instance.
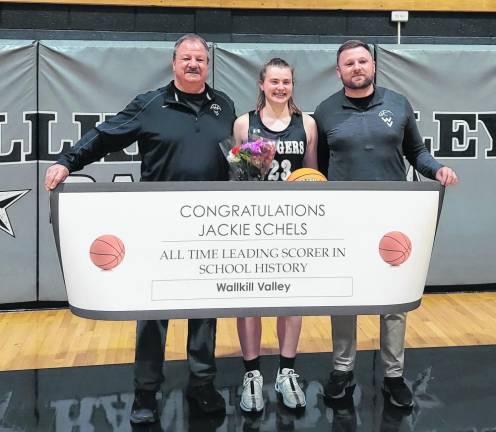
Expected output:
(288, 388)
(252, 398)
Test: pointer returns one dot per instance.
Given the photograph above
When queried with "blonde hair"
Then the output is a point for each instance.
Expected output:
(280, 63)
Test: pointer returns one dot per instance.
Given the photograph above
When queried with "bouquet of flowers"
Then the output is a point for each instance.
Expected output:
(249, 161)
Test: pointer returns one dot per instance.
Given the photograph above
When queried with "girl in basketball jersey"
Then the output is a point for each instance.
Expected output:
(276, 118)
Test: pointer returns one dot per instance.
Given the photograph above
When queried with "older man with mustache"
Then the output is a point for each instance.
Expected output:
(178, 128)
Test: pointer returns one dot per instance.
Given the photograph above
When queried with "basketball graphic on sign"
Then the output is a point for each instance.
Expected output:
(107, 251)
(395, 247)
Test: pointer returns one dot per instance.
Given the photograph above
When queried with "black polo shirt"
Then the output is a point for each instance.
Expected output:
(369, 143)
(175, 142)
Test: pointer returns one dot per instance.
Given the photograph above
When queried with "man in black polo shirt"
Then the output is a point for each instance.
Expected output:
(178, 129)
(366, 132)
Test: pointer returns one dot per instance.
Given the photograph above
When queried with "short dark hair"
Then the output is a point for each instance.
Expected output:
(350, 44)
(190, 37)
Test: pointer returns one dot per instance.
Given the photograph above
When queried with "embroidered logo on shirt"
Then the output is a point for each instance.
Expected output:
(387, 117)
(216, 109)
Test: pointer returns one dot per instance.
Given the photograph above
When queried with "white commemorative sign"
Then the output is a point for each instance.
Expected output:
(205, 249)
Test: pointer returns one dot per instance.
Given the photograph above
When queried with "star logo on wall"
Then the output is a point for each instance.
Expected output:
(7, 198)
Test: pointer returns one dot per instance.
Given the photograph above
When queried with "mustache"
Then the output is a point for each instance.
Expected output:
(192, 70)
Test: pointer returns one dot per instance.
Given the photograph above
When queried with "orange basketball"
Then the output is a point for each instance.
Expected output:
(395, 247)
(107, 251)
(306, 174)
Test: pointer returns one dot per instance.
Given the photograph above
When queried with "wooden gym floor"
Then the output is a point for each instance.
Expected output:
(56, 338)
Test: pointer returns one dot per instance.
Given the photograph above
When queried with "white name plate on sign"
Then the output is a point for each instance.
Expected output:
(212, 249)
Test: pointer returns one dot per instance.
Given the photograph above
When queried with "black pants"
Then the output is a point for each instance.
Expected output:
(150, 347)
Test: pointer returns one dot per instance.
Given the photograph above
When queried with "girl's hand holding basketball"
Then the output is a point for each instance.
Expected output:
(446, 176)
(56, 174)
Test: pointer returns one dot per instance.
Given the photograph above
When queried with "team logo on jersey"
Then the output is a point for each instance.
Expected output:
(216, 109)
(7, 198)
(387, 117)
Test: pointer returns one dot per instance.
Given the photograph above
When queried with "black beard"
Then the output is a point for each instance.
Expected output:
(364, 84)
